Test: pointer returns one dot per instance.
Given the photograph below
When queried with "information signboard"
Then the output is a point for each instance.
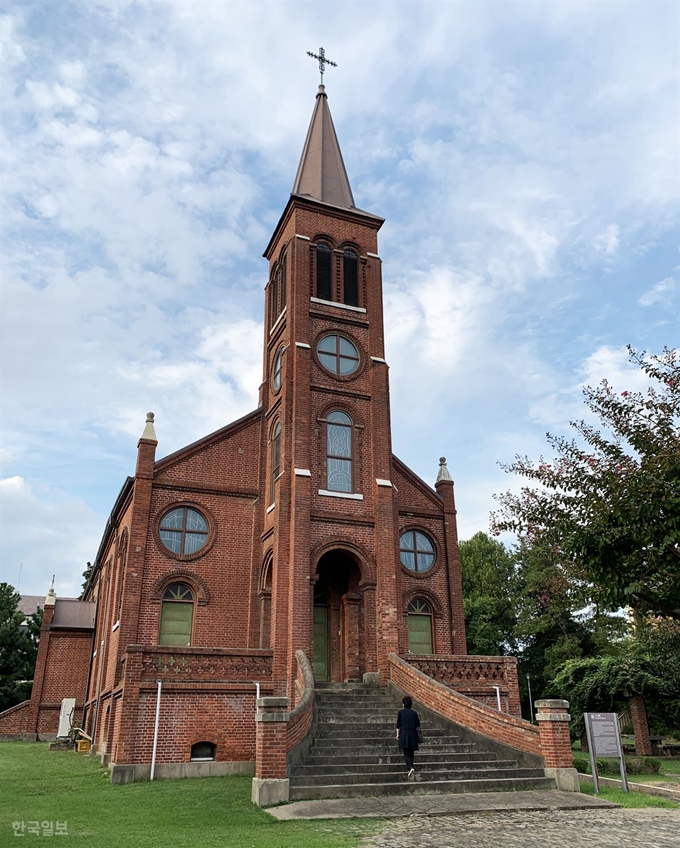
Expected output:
(604, 740)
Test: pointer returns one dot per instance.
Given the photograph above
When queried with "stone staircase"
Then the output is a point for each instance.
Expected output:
(354, 753)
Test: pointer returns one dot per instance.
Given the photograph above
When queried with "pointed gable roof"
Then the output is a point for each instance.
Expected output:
(321, 173)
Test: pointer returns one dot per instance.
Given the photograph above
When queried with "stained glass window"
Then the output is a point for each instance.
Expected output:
(339, 452)
(183, 530)
(276, 370)
(275, 460)
(416, 551)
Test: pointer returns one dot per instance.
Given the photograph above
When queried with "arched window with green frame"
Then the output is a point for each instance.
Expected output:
(420, 627)
(177, 615)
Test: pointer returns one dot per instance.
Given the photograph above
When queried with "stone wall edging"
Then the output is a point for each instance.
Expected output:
(300, 729)
(642, 788)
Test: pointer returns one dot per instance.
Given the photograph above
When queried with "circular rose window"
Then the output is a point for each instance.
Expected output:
(338, 355)
(183, 530)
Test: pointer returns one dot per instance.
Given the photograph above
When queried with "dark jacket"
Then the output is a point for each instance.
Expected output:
(407, 724)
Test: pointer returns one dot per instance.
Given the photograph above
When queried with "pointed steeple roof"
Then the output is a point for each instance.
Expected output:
(321, 173)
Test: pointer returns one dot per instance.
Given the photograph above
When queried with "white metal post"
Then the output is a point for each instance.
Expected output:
(155, 730)
(498, 698)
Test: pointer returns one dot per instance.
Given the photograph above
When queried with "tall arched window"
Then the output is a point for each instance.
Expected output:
(283, 267)
(419, 627)
(339, 452)
(350, 277)
(177, 615)
(275, 460)
(274, 298)
(323, 271)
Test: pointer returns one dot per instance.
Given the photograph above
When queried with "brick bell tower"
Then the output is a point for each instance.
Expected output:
(330, 536)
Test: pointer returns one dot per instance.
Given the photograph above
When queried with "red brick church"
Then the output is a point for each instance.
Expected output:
(292, 539)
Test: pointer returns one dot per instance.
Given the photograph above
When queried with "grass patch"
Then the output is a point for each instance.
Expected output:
(39, 785)
(629, 799)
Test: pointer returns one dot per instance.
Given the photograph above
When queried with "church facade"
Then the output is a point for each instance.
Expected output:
(292, 532)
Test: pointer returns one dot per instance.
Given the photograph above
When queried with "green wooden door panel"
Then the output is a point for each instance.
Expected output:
(321, 643)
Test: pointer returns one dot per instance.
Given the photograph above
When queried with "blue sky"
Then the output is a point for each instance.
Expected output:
(524, 155)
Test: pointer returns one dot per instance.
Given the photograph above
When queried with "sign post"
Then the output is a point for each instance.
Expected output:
(604, 740)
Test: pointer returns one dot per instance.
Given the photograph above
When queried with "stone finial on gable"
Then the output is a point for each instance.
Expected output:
(51, 597)
(149, 432)
(443, 475)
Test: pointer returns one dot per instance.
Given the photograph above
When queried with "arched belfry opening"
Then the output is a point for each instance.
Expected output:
(339, 650)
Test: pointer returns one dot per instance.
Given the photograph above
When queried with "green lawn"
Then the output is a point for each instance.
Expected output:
(669, 773)
(629, 799)
(38, 785)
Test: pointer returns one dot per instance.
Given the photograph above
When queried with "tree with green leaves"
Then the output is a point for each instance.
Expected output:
(646, 663)
(556, 622)
(488, 573)
(18, 648)
(610, 501)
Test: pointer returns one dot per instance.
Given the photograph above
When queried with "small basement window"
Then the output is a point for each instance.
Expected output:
(202, 752)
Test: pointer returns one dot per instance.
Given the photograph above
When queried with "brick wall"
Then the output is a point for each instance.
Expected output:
(14, 721)
(457, 708)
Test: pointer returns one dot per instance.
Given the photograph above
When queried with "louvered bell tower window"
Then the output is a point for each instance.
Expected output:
(323, 272)
(350, 277)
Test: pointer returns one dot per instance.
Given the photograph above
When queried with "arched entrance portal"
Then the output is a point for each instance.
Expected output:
(339, 649)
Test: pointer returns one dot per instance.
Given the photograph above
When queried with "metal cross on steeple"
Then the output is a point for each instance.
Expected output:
(323, 61)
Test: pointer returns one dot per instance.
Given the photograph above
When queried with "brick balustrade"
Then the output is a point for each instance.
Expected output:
(475, 677)
(462, 710)
(196, 663)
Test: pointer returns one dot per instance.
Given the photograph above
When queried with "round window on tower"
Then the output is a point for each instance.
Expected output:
(338, 355)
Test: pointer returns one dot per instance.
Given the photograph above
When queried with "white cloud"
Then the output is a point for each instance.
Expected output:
(45, 533)
(662, 292)
(607, 242)
(143, 175)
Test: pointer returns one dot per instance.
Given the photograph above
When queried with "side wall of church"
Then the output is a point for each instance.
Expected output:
(67, 661)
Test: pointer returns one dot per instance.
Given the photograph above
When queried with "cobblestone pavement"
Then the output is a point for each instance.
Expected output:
(613, 828)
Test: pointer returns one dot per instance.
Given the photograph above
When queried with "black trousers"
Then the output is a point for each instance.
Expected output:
(408, 756)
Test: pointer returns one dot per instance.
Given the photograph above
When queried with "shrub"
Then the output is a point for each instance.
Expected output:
(634, 765)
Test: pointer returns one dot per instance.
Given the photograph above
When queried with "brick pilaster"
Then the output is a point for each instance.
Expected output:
(553, 726)
(140, 526)
(270, 784)
(638, 717)
(444, 489)
(40, 665)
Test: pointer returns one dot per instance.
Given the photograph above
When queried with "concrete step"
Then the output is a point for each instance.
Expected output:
(397, 766)
(418, 787)
(387, 741)
(395, 776)
(333, 731)
(423, 757)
